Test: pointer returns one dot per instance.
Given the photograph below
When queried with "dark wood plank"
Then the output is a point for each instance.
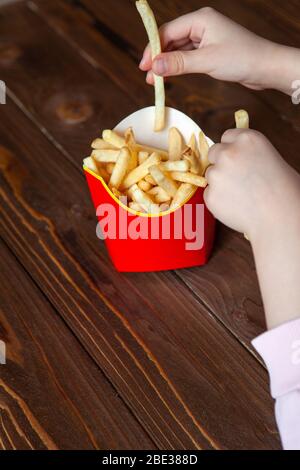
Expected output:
(52, 394)
(187, 380)
(230, 294)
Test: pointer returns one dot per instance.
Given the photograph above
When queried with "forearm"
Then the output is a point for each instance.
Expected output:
(277, 256)
(282, 68)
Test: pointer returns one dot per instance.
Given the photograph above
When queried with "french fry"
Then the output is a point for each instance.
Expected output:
(140, 171)
(144, 200)
(103, 173)
(179, 165)
(110, 168)
(150, 180)
(90, 163)
(194, 146)
(144, 186)
(163, 180)
(131, 144)
(176, 144)
(100, 144)
(120, 169)
(105, 156)
(136, 207)
(113, 138)
(154, 39)
(159, 194)
(144, 148)
(204, 149)
(143, 157)
(189, 178)
(191, 158)
(116, 192)
(242, 119)
(184, 192)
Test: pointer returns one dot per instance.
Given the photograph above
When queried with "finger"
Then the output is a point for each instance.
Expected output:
(181, 62)
(173, 36)
(146, 62)
(150, 78)
(231, 135)
(174, 46)
(207, 196)
(180, 28)
(214, 152)
(209, 174)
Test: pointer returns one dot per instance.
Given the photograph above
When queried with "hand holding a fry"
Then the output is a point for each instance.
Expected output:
(250, 187)
(208, 42)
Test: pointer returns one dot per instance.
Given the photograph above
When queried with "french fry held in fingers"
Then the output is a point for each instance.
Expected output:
(189, 178)
(184, 192)
(120, 168)
(190, 157)
(175, 144)
(180, 165)
(204, 149)
(242, 119)
(140, 171)
(154, 39)
(164, 181)
(105, 156)
(144, 200)
(159, 195)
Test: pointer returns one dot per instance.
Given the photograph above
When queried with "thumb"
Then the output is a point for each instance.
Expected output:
(179, 63)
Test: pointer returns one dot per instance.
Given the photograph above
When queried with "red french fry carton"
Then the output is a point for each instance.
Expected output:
(139, 242)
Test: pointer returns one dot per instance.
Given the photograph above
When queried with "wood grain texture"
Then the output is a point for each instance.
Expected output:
(52, 395)
(167, 357)
(159, 338)
(228, 285)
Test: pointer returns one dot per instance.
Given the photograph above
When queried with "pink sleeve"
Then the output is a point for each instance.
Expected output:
(280, 349)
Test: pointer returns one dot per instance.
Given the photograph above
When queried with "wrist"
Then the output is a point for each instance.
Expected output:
(281, 67)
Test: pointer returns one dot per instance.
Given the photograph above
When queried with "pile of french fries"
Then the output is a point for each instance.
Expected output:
(151, 180)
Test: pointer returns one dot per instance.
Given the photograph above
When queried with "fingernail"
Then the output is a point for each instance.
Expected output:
(142, 63)
(160, 66)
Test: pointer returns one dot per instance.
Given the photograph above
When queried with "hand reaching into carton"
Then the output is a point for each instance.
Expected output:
(208, 42)
(246, 181)
(253, 190)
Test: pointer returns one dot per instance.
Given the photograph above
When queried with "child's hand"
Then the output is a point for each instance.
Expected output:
(208, 42)
(250, 185)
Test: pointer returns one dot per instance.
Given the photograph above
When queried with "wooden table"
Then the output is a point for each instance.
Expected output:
(97, 359)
